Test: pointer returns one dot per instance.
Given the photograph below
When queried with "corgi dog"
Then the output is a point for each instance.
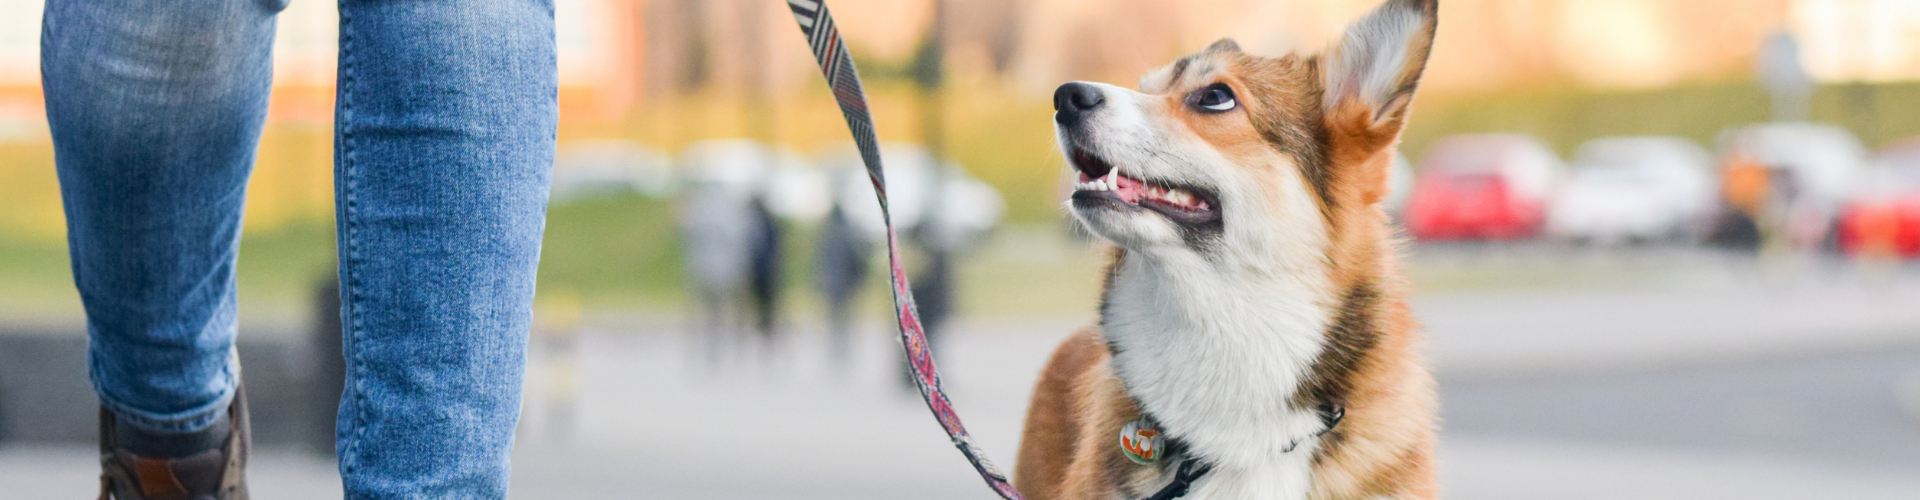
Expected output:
(1253, 337)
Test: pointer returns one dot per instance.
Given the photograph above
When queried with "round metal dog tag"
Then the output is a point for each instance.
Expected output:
(1141, 442)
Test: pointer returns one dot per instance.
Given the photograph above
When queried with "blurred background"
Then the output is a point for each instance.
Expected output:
(1662, 249)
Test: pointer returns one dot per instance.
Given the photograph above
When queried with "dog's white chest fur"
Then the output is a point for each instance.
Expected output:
(1215, 357)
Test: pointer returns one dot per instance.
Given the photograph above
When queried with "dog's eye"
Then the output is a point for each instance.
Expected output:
(1216, 98)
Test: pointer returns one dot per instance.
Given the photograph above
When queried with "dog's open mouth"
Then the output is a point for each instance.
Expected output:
(1100, 180)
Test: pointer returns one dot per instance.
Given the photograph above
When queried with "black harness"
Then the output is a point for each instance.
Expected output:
(1192, 468)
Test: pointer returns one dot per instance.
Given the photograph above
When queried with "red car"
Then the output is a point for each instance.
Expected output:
(1883, 220)
(1487, 187)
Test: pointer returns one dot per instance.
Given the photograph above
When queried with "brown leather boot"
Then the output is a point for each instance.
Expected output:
(216, 474)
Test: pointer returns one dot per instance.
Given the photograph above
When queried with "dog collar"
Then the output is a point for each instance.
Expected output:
(1143, 442)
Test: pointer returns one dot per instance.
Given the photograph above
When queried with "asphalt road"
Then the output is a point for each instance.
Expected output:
(1844, 408)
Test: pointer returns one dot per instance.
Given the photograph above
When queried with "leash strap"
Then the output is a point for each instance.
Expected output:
(837, 65)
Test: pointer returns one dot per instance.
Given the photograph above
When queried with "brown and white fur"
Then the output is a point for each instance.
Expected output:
(1253, 278)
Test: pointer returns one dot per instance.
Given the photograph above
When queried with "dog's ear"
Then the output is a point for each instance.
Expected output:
(1377, 63)
(1368, 79)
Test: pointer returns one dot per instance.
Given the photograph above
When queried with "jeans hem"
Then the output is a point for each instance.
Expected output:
(189, 421)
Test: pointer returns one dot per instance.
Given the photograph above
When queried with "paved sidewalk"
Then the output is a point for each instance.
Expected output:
(1504, 469)
(1471, 469)
(793, 429)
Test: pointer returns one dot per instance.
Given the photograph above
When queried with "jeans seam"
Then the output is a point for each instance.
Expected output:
(350, 283)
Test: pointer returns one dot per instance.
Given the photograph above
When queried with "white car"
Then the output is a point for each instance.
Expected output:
(1634, 189)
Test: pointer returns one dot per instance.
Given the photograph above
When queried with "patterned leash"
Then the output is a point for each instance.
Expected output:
(837, 65)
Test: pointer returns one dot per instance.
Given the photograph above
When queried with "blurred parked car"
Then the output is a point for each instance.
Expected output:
(1634, 189)
(1786, 181)
(1490, 187)
(1883, 219)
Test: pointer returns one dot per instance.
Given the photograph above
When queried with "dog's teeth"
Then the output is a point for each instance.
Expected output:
(1179, 197)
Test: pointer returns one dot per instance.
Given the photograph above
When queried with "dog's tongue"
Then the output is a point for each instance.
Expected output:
(1129, 190)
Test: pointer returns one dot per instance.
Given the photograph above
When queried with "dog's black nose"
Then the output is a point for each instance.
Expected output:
(1074, 99)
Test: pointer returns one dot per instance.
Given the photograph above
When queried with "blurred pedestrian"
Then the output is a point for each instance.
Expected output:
(764, 279)
(840, 270)
(961, 212)
(715, 232)
(732, 242)
(1744, 189)
(444, 134)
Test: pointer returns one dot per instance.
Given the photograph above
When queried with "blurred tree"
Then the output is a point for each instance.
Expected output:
(697, 68)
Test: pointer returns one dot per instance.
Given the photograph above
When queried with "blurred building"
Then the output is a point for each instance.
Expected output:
(616, 54)
(21, 113)
(1492, 43)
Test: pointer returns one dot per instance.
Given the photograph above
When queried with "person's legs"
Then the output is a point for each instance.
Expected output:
(155, 108)
(445, 126)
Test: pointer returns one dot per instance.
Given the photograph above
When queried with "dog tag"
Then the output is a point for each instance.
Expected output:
(1142, 443)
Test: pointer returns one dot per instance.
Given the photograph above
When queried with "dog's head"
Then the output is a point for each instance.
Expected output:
(1225, 151)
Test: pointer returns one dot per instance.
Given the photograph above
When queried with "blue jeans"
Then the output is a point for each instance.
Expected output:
(444, 138)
